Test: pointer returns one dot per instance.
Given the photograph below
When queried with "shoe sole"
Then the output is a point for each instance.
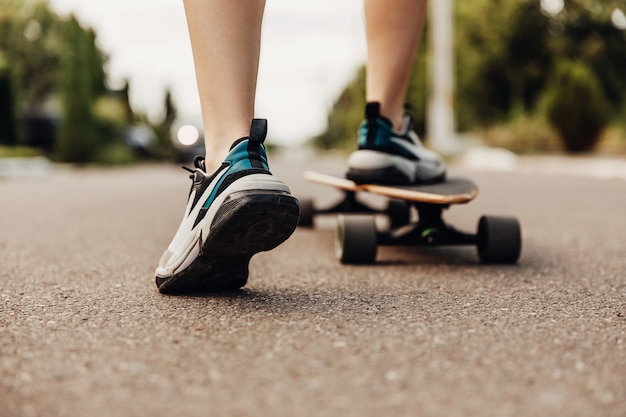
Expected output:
(388, 176)
(376, 167)
(378, 176)
(247, 222)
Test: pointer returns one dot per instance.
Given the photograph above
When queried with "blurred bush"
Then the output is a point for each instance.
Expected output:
(18, 152)
(523, 134)
(576, 106)
(115, 153)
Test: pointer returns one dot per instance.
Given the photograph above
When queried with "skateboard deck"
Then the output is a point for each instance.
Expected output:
(451, 191)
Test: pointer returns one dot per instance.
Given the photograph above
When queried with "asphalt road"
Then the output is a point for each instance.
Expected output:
(84, 332)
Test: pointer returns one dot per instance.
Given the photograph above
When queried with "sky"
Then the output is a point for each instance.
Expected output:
(309, 51)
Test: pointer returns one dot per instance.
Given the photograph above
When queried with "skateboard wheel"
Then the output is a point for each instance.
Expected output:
(399, 212)
(355, 241)
(307, 212)
(499, 240)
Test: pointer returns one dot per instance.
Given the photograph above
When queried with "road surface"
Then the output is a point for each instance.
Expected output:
(84, 332)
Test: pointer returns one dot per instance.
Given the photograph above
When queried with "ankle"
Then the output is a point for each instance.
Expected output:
(396, 119)
(214, 157)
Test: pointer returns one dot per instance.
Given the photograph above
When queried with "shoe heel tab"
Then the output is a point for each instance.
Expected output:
(372, 114)
(258, 130)
(372, 110)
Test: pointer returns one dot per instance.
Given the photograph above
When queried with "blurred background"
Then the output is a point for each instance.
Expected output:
(112, 82)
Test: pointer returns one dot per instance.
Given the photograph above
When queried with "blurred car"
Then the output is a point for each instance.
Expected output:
(40, 129)
(188, 140)
(141, 139)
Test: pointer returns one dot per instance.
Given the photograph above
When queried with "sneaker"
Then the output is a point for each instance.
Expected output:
(387, 156)
(237, 211)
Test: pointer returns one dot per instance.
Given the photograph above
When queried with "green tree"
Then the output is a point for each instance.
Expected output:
(27, 42)
(56, 61)
(125, 98)
(29, 38)
(586, 34)
(163, 128)
(81, 80)
(502, 54)
(506, 48)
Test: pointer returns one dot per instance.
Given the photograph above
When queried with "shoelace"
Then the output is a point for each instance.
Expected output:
(198, 163)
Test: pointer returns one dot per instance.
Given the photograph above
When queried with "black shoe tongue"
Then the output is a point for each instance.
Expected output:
(258, 130)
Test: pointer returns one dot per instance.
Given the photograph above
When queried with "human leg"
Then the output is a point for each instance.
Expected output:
(225, 38)
(236, 207)
(394, 29)
(390, 152)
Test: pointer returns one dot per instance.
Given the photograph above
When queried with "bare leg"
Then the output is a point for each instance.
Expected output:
(225, 39)
(394, 29)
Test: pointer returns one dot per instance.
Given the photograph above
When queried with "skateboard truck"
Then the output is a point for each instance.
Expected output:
(429, 230)
(398, 211)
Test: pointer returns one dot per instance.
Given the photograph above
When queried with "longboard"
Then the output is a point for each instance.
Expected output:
(451, 191)
(498, 239)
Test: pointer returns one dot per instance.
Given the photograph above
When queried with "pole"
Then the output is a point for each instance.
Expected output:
(441, 130)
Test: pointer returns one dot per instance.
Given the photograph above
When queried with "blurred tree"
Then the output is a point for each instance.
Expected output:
(344, 116)
(29, 38)
(584, 32)
(81, 80)
(55, 62)
(25, 28)
(502, 55)
(170, 109)
(163, 129)
(125, 97)
(506, 48)
(8, 122)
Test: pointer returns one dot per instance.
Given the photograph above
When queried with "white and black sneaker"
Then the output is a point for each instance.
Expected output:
(237, 211)
(387, 156)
